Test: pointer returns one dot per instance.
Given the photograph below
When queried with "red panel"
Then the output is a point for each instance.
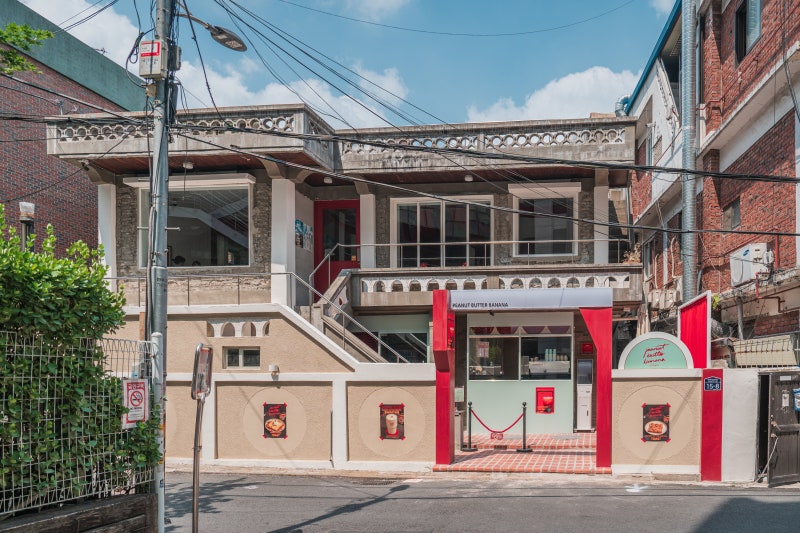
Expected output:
(443, 343)
(693, 332)
(711, 430)
(598, 321)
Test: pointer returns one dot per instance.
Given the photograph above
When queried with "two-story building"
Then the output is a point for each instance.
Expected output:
(348, 233)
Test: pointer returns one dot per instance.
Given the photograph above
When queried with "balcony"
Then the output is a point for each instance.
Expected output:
(391, 151)
(123, 145)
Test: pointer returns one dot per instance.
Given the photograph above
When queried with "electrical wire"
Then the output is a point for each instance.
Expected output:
(458, 34)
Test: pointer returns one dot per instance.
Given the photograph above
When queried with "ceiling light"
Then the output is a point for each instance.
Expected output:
(468, 177)
(327, 179)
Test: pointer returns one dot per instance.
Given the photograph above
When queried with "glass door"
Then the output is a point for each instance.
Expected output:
(338, 223)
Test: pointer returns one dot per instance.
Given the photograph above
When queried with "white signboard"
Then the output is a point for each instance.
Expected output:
(523, 299)
(135, 394)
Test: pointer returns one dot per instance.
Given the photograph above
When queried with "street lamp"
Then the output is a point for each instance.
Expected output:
(156, 65)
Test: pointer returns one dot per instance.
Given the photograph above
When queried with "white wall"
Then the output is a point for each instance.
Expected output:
(739, 424)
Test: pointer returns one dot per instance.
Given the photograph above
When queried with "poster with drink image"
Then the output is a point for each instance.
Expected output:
(392, 421)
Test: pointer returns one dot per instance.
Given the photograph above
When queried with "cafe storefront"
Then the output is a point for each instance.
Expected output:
(527, 345)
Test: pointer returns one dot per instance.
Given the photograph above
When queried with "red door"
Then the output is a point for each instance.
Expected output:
(338, 229)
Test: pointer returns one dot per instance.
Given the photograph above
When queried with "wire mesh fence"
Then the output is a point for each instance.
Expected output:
(61, 421)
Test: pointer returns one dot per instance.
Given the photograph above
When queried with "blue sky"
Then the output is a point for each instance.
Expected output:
(569, 58)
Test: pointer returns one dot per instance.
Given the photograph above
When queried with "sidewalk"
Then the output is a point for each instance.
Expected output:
(570, 453)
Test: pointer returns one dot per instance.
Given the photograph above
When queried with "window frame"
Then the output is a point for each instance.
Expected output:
(742, 31)
(236, 182)
(241, 350)
(730, 213)
(545, 191)
(395, 203)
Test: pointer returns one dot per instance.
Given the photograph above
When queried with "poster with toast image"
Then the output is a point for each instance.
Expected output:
(274, 420)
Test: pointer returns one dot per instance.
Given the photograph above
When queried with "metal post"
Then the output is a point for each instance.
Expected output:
(525, 448)
(198, 424)
(158, 400)
(689, 250)
(469, 447)
(157, 288)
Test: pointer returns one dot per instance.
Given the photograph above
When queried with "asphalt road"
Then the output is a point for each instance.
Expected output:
(481, 503)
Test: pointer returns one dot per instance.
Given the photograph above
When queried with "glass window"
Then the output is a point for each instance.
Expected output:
(433, 234)
(748, 27)
(412, 346)
(544, 234)
(242, 358)
(214, 227)
(520, 352)
(339, 227)
(731, 216)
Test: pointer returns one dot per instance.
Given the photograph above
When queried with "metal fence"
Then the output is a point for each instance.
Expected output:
(61, 427)
(768, 352)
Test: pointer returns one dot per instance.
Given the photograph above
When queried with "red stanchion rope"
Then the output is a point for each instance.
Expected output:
(514, 423)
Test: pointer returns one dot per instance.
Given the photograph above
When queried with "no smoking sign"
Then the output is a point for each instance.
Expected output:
(135, 399)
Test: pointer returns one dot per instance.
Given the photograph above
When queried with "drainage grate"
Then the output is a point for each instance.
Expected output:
(566, 437)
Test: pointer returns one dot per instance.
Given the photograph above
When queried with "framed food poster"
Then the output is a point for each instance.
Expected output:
(392, 421)
(274, 420)
(655, 422)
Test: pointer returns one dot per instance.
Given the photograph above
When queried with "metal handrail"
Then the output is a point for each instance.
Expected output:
(139, 279)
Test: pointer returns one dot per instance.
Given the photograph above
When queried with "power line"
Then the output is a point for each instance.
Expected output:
(354, 179)
(460, 34)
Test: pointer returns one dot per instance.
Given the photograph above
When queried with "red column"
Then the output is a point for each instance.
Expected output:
(694, 329)
(598, 321)
(444, 358)
(711, 427)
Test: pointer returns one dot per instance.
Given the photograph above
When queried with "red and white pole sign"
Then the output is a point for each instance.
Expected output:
(135, 394)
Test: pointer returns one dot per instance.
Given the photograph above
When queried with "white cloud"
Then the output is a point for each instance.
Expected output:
(662, 6)
(108, 31)
(573, 96)
(394, 89)
(230, 89)
(374, 10)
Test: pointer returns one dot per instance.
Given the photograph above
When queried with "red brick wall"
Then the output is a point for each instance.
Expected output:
(738, 79)
(764, 206)
(712, 75)
(63, 194)
(773, 325)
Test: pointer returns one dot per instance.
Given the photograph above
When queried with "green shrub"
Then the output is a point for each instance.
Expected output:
(61, 433)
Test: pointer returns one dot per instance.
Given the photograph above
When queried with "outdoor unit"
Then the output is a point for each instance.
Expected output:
(748, 261)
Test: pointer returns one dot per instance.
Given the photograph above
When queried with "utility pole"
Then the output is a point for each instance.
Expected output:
(159, 61)
(157, 251)
(689, 251)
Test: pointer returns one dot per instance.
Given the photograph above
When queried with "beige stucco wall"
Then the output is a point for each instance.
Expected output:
(286, 345)
(684, 397)
(240, 421)
(363, 412)
(181, 414)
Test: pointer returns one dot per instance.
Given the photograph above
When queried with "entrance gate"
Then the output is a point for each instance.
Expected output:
(779, 427)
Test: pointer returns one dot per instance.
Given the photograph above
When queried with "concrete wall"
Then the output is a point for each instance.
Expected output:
(681, 454)
(739, 424)
(240, 421)
(332, 400)
(364, 399)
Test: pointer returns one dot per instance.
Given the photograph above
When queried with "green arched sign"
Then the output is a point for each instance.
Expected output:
(655, 351)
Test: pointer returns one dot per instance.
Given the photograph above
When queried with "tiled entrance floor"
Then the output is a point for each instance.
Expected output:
(572, 453)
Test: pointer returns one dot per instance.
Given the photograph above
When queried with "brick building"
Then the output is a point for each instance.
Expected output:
(747, 124)
(62, 194)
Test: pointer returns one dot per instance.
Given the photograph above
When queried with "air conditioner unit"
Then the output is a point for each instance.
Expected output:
(654, 298)
(748, 261)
